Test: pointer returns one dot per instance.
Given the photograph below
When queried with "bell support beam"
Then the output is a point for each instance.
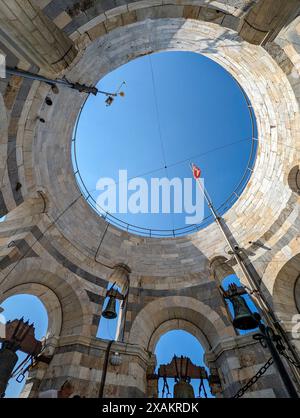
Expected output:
(81, 88)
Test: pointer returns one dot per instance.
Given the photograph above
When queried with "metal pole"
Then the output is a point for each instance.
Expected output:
(263, 304)
(104, 371)
(221, 227)
(82, 88)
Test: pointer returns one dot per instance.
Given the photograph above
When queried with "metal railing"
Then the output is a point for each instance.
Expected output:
(170, 233)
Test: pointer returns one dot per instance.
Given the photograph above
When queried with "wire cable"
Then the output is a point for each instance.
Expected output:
(180, 162)
(159, 126)
(39, 238)
(157, 114)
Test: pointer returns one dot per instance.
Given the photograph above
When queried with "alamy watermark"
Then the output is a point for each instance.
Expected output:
(158, 195)
(2, 66)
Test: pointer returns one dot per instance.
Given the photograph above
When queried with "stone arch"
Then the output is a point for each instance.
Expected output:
(294, 179)
(177, 324)
(187, 313)
(67, 304)
(284, 291)
(49, 300)
(19, 221)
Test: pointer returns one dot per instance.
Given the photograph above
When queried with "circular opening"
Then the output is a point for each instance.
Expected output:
(132, 152)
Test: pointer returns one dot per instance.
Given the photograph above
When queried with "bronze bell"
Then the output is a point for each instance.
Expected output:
(244, 319)
(183, 390)
(110, 310)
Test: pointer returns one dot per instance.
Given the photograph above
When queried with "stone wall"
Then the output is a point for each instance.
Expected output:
(53, 245)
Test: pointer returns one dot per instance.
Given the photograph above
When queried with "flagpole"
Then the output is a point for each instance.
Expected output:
(233, 248)
(255, 288)
(218, 221)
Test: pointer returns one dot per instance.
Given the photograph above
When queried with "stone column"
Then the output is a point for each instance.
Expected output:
(82, 361)
(35, 37)
(238, 360)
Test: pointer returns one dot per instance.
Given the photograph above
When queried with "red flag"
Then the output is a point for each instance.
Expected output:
(196, 172)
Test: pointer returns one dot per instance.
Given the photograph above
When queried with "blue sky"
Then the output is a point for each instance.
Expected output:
(180, 343)
(32, 309)
(179, 106)
(198, 110)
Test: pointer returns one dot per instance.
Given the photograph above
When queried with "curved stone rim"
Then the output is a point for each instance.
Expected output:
(177, 260)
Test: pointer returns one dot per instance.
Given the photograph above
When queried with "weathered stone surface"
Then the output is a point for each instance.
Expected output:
(57, 254)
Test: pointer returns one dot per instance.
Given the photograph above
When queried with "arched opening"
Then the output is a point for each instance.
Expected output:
(43, 294)
(294, 179)
(108, 327)
(33, 310)
(233, 279)
(286, 292)
(178, 312)
(286, 299)
(224, 274)
(113, 316)
(180, 343)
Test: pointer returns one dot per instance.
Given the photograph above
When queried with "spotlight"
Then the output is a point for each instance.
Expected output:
(109, 101)
(48, 101)
(54, 88)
